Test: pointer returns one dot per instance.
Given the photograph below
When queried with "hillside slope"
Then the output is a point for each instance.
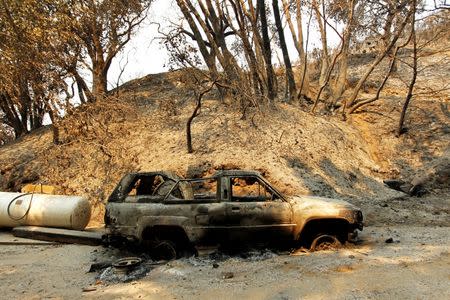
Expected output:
(143, 129)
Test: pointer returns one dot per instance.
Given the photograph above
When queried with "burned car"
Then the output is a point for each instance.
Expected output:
(162, 210)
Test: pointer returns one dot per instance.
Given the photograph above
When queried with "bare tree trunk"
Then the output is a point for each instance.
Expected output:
(99, 82)
(188, 125)
(297, 37)
(215, 36)
(287, 61)
(380, 88)
(409, 96)
(209, 59)
(378, 59)
(250, 56)
(12, 117)
(252, 15)
(194, 114)
(230, 65)
(321, 20)
(341, 80)
(305, 77)
(267, 52)
(82, 88)
(327, 78)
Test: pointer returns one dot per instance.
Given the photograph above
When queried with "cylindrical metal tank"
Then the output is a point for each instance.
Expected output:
(17, 209)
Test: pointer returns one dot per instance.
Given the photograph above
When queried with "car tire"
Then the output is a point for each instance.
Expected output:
(325, 242)
(164, 250)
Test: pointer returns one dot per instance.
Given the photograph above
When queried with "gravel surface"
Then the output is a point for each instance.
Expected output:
(415, 265)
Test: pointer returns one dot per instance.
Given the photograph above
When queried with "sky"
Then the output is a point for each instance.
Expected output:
(144, 55)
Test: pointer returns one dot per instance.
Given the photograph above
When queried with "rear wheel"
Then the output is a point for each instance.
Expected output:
(165, 243)
(164, 250)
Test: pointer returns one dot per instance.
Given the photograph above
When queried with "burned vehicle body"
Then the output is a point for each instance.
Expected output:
(232, 206)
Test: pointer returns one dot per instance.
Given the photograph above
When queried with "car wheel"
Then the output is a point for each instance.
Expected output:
(164, 250)
(325, 242)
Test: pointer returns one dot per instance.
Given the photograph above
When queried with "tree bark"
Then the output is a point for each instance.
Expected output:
(341, 80)
(99, 82)
(243, 34)
(287, 61)
(194, 114)
(207, 55)
(12, 118)
(380, 88)
(267, 52)
(409, 96)
(297, 37)
(377, 60)
(323, 38)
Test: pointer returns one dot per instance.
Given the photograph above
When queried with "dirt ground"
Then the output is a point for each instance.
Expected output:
(415, 266)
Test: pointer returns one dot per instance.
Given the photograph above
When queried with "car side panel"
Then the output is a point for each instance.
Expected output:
(259, 221)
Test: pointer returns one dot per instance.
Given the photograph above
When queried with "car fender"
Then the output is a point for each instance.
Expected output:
(301, 227)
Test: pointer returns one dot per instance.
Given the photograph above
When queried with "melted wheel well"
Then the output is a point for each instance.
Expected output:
(314, 228)
(161, 232)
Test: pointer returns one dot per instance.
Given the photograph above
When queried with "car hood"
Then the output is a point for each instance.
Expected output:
(320, 203)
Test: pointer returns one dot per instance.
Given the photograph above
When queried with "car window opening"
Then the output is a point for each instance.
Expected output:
(250, 189)
(198, 189)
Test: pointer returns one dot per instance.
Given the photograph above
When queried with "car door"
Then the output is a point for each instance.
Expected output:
(202, 207)
(254, 213)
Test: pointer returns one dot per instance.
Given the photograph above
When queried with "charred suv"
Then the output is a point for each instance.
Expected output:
(159, 209)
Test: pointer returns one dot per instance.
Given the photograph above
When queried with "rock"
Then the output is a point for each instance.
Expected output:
(227, 275)
(406, 188)
(389, 241)
(215, 265)
(413, 189)
(419, 180)
(394, 183)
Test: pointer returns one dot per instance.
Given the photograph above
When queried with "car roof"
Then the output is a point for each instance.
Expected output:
(169, 174)
(220, 173)
(236, 173)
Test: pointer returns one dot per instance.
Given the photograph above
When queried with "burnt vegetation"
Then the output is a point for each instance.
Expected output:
(362, 62)
(57, 54)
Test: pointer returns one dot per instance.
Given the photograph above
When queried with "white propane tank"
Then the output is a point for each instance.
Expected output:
(17, 209)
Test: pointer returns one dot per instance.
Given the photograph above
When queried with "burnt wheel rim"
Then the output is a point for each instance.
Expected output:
(127, 262)
(165, 250)
(325, 242)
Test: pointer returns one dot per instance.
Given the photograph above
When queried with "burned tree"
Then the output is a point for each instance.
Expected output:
(390, 39)
(409, 95)
(29, 81)
(94, 32)
(287, 61)
(267, 52)
(195, 113)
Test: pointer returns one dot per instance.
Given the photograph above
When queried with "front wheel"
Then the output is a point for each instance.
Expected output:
(325, 242)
